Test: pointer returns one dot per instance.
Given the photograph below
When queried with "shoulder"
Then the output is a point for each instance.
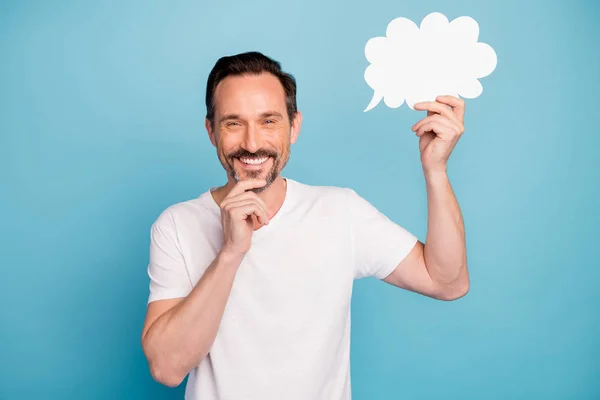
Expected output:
(306, 191)
(187, 212)
(329, 198)
(337, 200)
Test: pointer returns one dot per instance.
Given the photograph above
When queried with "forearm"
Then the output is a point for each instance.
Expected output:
(445, 248)
(178, 340)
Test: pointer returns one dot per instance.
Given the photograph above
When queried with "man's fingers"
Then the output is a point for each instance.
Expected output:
(439, 128)
(440, 109)
(455, 112)
(458, 105)
(244, 208)
(243, 211)
(437, 108)
(257, 210)
(436, 118)
(425, 120)
(240, 200)
(245, 185)
(244, 196)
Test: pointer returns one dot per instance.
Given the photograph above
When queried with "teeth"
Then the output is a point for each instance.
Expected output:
(253, 161)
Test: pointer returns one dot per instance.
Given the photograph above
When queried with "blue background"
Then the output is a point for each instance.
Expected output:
(101, 128)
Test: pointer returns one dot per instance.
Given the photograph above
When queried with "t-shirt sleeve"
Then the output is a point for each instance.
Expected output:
(379, 244)
(167, 270)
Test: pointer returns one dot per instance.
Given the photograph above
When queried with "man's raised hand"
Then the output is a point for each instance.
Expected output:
(239, 209)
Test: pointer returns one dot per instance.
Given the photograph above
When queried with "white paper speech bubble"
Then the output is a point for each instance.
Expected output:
(415, 64)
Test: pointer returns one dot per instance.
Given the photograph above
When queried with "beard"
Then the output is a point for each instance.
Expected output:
(278, 162)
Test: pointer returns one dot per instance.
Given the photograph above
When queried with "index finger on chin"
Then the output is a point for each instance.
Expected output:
(245, 185)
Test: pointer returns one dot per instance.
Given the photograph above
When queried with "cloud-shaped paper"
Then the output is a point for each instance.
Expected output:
(415, 64)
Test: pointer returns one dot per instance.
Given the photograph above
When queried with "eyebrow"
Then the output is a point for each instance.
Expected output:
(266, 114)
(229, 116)
(271, 114)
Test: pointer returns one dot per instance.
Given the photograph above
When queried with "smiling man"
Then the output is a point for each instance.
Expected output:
(251, 282)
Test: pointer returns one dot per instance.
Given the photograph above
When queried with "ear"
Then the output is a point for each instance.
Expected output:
(296, 124)
(211, 133)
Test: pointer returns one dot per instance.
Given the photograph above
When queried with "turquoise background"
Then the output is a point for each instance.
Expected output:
(101, 128)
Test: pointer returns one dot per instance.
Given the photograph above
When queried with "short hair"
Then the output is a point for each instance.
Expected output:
(249, 63)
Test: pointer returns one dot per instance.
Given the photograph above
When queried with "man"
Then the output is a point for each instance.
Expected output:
(250, 283)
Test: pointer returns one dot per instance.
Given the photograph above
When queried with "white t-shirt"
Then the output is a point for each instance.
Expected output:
(285, 332)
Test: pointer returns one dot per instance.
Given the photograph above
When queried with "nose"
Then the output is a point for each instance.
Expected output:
(252, 140)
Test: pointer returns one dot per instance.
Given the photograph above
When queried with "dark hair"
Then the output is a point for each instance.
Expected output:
(249, 63)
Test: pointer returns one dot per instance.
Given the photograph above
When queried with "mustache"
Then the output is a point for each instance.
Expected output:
(258, 154)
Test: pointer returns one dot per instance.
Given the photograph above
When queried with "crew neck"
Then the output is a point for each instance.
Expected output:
(274, 221)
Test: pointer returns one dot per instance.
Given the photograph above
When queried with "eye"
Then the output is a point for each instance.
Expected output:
(269, 121)
(232, 123)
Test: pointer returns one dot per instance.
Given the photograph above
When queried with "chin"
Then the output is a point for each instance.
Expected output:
(243, 176)
(269, 176)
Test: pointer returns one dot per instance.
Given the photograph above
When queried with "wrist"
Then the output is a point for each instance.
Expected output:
(230, 258)
(435, 173)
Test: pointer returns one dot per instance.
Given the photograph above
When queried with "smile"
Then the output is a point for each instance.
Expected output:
(254, 161)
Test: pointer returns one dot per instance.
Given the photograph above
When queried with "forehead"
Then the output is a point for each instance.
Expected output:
(249, 95)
